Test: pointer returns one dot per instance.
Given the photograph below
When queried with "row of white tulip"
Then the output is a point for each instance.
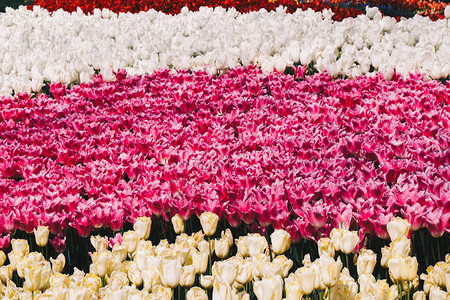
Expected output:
(135, 269)
(36, 46)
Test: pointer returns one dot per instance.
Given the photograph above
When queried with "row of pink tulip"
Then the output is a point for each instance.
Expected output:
(300, 153)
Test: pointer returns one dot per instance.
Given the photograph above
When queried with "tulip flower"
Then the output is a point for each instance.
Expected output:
(170, 270)
(142, 226)
(330, 270)
(326, 247)
(366, 262)
(206, 281)
(178, 224)
(221, 290)
(226, 271)
(269, 288)
(2, 258)
(196, 293)
(281, 241)
(130, 240)
(151, 278)
(41, 235)
(100, 261)
(293, 289)
(187, 276)
(397, 227)
(209, 221)
(99, 243)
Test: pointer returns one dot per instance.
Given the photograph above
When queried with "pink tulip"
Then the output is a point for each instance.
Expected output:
(59, 243)
(4, 242)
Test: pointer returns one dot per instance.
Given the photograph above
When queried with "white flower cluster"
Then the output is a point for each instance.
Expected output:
(36, 46)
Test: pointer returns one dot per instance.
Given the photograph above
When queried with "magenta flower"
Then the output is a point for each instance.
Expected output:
(4, 242)
(59, 243)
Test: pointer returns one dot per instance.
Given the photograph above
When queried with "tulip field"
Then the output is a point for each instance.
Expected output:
(225, 149)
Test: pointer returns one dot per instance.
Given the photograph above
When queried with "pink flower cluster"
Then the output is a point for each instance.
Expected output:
(300, 153)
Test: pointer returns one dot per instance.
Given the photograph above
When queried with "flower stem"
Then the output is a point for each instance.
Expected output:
(346, 261)
(407, 295)
(268, 242)
(399, 290)
(210, 256)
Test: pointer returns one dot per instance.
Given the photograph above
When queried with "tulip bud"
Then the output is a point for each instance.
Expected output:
(366, 262)
(400, 246)
(99, 243)
(269, 288)
(349, 240)
(245, 274)
(200, 261)
(241, 244)
(2, 258)
(326, 247)
(187, 278)
(178, 224)
(6, 273)
(162, 292)
(281, 241)
(256, 244)
(196, 293)
(398, 227)
(170, 270)
(221, 290)
(209, 222)
(420, 295)
(226, 270)
(41, 235)
(100, 262)
(151, 278)
(92, 282)
(119, 252)
(142, 226)
(134, 274)
(206, 281)
(58, 280)
(228, 236)
(330, 270)
(222, 247)
(293, 290)
(130, 239)
(20, 246)
(285, 264)
(258, 263)
(409, 270)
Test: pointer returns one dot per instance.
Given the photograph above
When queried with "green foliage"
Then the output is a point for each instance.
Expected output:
(13, 4)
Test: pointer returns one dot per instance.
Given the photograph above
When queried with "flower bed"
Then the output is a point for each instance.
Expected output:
(341, 8)
(214, 40)
(299, 155)
(327, 162)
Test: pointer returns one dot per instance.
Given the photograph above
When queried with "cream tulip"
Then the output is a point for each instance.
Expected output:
(58, 263)
(187, 277)
(366, 262)
(209, 221)
(6, 273)
(256, 244)
(170, 270)
(306, 277)
(200, 261)
(134, 274)
(2, 258)
(293, 289)
(92, 282)
(130, 239)
(196, 293)
(100, 261)
(151, 278)
(398, 227)
(99, 243)
(222, 247)
(20, 246)
(330, 270)
(419, 295)
(226, 270)
(245, 274)
(41, 235)
(221, 290)
(348, 241)
(178, 224)
(281, 241)
(270, 288)
(142, 226)
(241, 244)
(206, 281)
(326, 247)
